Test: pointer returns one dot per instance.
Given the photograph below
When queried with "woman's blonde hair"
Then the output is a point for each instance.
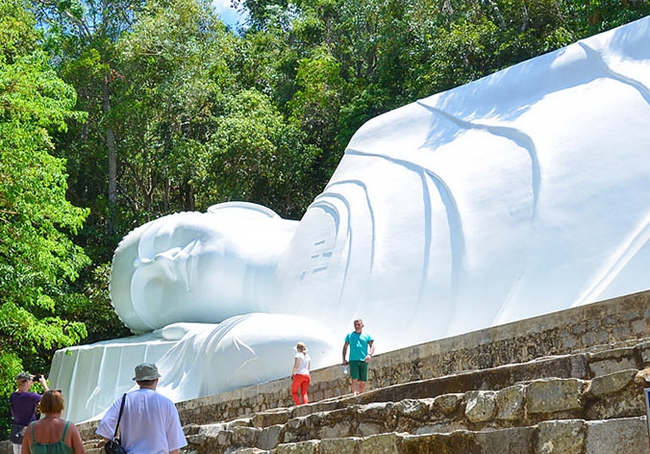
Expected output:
(51, 402)
(301, 347)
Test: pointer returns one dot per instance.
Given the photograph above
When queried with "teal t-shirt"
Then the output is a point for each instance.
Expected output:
(358, 345)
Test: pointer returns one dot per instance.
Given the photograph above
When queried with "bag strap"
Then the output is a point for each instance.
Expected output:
(117, 426)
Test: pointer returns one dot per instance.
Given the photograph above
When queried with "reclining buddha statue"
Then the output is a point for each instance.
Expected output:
(523, 193)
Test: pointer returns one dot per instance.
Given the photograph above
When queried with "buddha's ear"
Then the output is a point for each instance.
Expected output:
(122, 269)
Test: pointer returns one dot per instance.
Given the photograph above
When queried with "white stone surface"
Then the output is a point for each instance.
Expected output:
(194, 360)
(520, 194)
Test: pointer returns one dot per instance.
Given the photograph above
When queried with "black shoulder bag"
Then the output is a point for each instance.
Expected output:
(114, 446)
(17, 433)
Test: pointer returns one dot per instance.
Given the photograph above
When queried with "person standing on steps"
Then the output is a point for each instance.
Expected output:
(362, 347)
(300, 374)
(23, 403)
(150, 422)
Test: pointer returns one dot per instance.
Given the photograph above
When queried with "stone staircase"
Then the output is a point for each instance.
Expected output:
(565, 383)
(585, 402)
(589, 402)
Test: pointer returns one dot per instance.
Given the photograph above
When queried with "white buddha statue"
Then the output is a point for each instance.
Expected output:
(523, 193)
(199, 267)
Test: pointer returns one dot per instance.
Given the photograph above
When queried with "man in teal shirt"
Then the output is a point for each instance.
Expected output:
(361, 350)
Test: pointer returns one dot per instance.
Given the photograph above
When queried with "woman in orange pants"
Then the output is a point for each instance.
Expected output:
(300, 374)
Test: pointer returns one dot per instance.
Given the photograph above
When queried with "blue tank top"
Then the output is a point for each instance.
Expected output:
(51, 448)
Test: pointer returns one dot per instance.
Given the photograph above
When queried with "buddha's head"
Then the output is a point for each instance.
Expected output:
(198, 267)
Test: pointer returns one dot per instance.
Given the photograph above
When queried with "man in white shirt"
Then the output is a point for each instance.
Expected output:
(150, 423)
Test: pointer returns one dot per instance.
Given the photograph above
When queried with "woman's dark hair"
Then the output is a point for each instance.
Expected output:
(51, 402)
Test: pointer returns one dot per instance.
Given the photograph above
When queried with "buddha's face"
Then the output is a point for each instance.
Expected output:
(194, 267)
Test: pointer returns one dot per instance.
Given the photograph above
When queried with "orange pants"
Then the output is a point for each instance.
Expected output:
(299, 388)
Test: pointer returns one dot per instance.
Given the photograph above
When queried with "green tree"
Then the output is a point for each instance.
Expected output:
(195, 124)
(38, 260)
(81, 35)
(174, 77)
(257, 156)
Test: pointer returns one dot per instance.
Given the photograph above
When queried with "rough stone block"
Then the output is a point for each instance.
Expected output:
(339, 430)
(644, 350)
(480, 405)
(303, 447)
(339, 446)
(381, 444)
(579, 365)
(611, 383)
(621, 332)
(510, 403)
(608, 361)
(516, 440)
(379, 411)
(366, 429)
(452, 443)
(267, 419)
(579, 328)
(553, 395)
(224, 437)
(269, 437)
(639, 327)
(590, 338)
(241, 422)
(568, 341)
(188, 429)
(204, 432)
(447, 403)
(314, 407)
(619, 436)
(245, 436)
(561, 437)
(412, 408)
(315, 421)
(294, 423)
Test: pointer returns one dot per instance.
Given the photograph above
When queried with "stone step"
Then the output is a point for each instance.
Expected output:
(603, 383)
(599, 361)
(524, 404)
(574, 436)
(94, 446)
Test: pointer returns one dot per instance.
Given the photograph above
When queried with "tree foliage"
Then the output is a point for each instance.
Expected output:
(38, 259)
(173, 79)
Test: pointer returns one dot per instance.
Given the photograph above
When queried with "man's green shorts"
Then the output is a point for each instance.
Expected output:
(359, 370)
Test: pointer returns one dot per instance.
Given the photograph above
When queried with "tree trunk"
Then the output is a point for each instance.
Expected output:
(112, 160)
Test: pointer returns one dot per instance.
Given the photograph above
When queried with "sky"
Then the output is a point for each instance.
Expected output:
(228, 14)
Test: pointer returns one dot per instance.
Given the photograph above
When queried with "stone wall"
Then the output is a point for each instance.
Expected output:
(569, 404)
(573, 330)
